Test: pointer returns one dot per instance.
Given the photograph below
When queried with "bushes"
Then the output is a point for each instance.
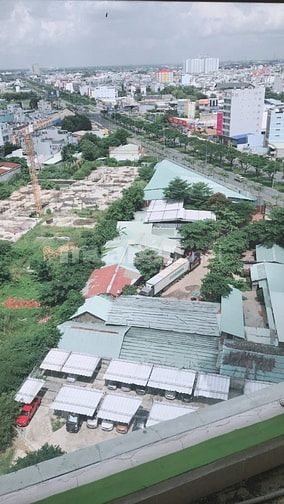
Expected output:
(9, 409)
(148, 263)
(46, 452)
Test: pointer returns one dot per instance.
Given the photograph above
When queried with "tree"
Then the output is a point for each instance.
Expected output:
(198, 236)
(129, 290)
(46, 452)
(9, 148)
(234, 243)
(198, 193)
(218, 201)
(68, 151)
(226, 265)
(214, 286)
(146, 172)
(77, 122)
(9, 409)
(89, 150)
(33, 102)
(148, 263)
(177, 189)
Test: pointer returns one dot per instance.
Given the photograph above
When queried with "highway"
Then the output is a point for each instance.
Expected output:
(262, 193)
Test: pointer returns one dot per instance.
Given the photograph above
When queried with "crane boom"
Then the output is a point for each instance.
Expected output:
(26, 134)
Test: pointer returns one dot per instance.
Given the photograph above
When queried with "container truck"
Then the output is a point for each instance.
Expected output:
(170, 274)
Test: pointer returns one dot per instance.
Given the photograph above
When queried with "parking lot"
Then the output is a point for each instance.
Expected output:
(41, 428)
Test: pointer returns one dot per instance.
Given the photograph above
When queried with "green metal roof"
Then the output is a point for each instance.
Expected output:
(95, 339)
(269, 254)
(166, 314)
(232, 314)
(99, 306)
(170, 348)
(271, 278)
(166, 170)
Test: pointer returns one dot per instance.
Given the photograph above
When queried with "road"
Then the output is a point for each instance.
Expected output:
(262, 193)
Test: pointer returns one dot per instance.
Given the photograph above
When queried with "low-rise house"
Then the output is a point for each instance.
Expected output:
(128, 152)
(8, 170)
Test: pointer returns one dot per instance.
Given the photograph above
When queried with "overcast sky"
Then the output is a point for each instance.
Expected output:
(78, 33)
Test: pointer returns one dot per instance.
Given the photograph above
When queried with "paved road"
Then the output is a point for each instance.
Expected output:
(261, 193)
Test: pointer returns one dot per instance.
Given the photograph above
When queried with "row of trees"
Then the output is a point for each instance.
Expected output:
(256, 167)
(229, 237)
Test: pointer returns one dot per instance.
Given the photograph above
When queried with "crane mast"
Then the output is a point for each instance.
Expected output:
(29, 147)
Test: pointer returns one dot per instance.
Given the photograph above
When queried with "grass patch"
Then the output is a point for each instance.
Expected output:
(6, 460)
(57, 423)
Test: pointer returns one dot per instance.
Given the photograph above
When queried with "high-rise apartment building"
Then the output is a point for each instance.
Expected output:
(36, 69)
(274, 135)
(243, 110)
(165, 76)
(201, 65)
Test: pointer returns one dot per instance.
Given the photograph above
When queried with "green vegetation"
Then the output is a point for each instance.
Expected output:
(6, 458)
(18, 97)
(75, 98)
(9, 409)
(77, 122)
(129, 290)
(161, 469)
(181, 92)
(256, 168)
(46, 452)
(193, 195)
(148, 263)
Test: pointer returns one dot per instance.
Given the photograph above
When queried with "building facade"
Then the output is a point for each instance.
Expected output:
(165, 76)
(201, 65)
(243, 111)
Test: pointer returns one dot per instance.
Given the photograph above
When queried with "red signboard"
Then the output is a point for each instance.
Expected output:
(219, 128)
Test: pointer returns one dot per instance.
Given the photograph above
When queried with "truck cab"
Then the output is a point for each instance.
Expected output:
(147, 291)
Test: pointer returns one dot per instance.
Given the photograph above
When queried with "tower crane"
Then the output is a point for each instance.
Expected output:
(25, 133)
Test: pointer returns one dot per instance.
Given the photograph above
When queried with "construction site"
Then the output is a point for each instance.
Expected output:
(97, 191)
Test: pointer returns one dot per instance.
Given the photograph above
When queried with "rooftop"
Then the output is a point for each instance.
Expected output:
(109, 280)
(269, 254)
(75, 399)
(94, 339)
(232, 314)
(169, 348)
(98, 306)
(166, 170)
(165, 211)
(191, 317)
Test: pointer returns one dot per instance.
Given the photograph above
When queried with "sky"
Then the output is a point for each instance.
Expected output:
(65, 33)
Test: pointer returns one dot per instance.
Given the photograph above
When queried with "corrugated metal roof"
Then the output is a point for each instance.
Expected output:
(191, 317)
(212, 385)
(232, 314)
(109, 280)
(55, 359)
(161, 412)
(252, 386)
(95, 339)
(269, 254)
(173, 379)
(273, 274)
(81, 364)
(261, 335)
(166, 170)
(168, 348)
(29, 390)
(165, 211)
(265, 365)
(98, 306)
(78, 400)
(117, 408)
(128, 372)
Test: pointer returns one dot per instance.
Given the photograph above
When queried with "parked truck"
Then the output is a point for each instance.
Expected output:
(167, 276)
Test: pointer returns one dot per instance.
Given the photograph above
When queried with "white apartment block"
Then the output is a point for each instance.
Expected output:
(243, 111)
(6, 133)
(104, 93)
(201, 65)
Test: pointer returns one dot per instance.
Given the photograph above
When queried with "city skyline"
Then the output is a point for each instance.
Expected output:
(86, 33)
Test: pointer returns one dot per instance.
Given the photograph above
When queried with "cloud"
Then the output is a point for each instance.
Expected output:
(76, 32)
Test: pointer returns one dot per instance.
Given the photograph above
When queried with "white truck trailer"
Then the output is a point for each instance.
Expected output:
(168, 275)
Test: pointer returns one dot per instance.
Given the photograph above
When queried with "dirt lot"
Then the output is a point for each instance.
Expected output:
(184, 288)
(254, 312)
